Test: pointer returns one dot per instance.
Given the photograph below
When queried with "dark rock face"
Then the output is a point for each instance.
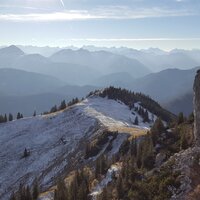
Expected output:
(197, 108)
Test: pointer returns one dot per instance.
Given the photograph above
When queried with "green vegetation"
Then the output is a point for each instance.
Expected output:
(26, 193)
(77, 189)
(139, 176)
(142, 175)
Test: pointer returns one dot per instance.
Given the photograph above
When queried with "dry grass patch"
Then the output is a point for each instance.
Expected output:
(133, 131)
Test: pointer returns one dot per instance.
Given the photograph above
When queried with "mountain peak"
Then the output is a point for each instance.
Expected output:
(12, 50)
(154, 51)
(83, 50)
(70, 51)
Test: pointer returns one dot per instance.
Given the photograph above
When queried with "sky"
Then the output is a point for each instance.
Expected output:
(139, 24)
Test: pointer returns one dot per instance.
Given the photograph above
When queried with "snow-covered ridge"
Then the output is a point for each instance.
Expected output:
(55, 138)
(112, 113)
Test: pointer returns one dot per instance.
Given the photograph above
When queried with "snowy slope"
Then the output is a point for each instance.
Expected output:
(53, 140)
(108, 178)
(112, 113)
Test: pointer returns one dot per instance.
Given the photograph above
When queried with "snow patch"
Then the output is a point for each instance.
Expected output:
(52, 138)
(108, 178)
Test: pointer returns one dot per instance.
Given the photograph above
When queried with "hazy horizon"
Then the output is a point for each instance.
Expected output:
(99, 99)
(76, 47)
(138, 24)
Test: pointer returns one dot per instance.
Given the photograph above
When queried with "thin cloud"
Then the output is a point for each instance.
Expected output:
(61, 1)
(24, 7)
(99, 13)
(55, 16)
(128, 39)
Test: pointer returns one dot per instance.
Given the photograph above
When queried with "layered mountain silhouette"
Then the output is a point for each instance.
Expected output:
(19, 82)
(67, 73)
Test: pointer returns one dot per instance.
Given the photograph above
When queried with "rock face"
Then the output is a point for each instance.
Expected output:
(197, 108)
(160, 159)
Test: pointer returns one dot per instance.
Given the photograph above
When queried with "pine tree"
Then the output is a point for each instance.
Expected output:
(1, 119)
(62, 105)
(26, 153)
(133, 147)
(22, 192)
(145, 116)
(73, 101)
(35, 192)
(10, 117)
(34, 114)
(61, 192)
(5, 118)
(74, 187)
(18, 115)
(53, 109)
(147, 158)
(157, 129)
(28, 193)
(136, 121)
(180, 118)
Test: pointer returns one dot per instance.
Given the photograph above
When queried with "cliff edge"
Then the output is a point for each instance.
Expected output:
(197, 108)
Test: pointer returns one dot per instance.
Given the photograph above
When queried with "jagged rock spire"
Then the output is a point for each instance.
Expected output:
(197, 108)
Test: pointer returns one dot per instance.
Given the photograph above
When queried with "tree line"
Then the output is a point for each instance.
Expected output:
(129, 98)
(62, 106)
(137, 157)
(4, 118)
(26, 193)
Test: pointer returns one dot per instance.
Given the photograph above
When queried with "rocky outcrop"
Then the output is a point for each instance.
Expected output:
(187, 164)
(160, 157)
(197, 108)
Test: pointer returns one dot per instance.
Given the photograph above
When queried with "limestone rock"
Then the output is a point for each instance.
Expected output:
(160, 159)
(197, 108)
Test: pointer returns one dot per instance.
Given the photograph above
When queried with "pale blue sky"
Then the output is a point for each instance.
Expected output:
(166, 24)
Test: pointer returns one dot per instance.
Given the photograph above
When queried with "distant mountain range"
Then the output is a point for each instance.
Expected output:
(167, 84)
(9, 55)
(28, 91)
(156, 59)
(172, 87)
(41, 102)
(181, 104)
(102, 61)
(44, 51)
(120, 79)
(70, 73)
(76, 67)
(19, 82)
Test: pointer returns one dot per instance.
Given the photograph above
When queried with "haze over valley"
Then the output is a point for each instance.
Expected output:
(31, 79)
(99, 100)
